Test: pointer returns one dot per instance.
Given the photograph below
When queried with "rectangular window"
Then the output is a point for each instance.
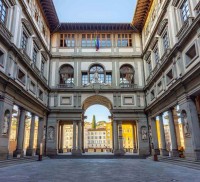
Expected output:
(32, 87)
(124, 40)
(160, 87)
(152, 94)
(191, 54)
(67, 40)
(35, 52)
(21, 76)
(24, 41)
(166, 41)
(109, 78)
(169, 76)
(185, 12)
(1, 58)
(156, 54)
(84, 78)
(3, 12)
(40, 94)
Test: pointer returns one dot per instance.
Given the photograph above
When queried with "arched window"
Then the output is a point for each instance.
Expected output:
(97, 70)
(67, 75)
(96, 74)
(126, 76)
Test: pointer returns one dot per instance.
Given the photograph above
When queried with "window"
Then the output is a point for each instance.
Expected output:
(124, 40)
(96, 74)
(166, 41)
(21, 76)
(185, 12)
(156, 54)
(1, 58)
(88, 40)
(152, 94)
(66, 74)
(126, 76)
(42, 66)
(40, 94)
(191, 54)
(24, 40)
(35, 52)
(3, 12)
(169, 76)
(84, 78)
(32, 87)
(67, 40)
(160, 87)
(109, 78)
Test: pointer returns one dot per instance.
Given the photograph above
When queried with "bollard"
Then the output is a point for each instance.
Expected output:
(40, 154)
(155, 157)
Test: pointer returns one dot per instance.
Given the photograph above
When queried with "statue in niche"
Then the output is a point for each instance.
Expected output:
(6, 123)
(96, 78)
(51, 133)
(186, 125)
(144, 133)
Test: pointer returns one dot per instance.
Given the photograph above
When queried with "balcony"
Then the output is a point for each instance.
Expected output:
(67, 85)
(127, 85)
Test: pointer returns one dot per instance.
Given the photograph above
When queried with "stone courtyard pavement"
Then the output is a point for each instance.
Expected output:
(98, 170)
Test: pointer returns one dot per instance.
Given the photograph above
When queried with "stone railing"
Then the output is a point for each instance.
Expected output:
(127, 85)
(67, 85)
(4, 31)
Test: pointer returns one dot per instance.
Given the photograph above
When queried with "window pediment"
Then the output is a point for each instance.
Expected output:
(37, 42)
(146, 56)
(44, 54)
(153, 43)
(28, 26)
(162, 26)
(175, 2)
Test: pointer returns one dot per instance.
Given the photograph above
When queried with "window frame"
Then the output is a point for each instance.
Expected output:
(181, 11)
(64, 36)
(19, 69)
(121, 37)
(6, 12)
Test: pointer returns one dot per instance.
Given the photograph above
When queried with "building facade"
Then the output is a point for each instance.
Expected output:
(53, 71)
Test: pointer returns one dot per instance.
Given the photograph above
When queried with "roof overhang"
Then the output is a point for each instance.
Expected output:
(93, 27)
(50, 14)
(141, 13)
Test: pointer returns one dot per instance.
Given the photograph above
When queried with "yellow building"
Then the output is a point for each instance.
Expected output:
(109, 136)
(127, 133)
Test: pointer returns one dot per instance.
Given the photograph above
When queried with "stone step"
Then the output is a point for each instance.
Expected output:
(97, 157)
(179, 161)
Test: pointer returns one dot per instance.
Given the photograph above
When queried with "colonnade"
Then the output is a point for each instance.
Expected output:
(30, 151)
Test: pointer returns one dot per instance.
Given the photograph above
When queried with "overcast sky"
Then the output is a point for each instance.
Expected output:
(95, 10)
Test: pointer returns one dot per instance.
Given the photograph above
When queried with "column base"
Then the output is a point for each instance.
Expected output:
(76, 152)
(119, 152)
(174, 153)
(155, 152)
(135, 151)
(197, 155)
(60, 150)
(18, 153)
(164, 152)
(30, 152)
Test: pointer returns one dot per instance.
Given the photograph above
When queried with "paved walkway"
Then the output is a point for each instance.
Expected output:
(98, 170)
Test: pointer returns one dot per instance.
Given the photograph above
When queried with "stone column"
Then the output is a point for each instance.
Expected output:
(174, 147)
(134, 140)
(154, 143)
(118, 138)
(30, 150)
(163, 150)
(20, 137)
(115, 136)
(80, 136)
(75, 150)
(61, 139)
(40, 135)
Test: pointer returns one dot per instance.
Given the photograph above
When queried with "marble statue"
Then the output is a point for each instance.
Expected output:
(6, 124)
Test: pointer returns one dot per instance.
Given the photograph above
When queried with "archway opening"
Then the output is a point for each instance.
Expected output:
(97, 130)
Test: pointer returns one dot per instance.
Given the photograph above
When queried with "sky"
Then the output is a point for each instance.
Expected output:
(101, 113)
(106, 11)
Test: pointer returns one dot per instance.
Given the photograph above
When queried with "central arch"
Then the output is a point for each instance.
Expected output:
(97, 137)
(97, 99)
